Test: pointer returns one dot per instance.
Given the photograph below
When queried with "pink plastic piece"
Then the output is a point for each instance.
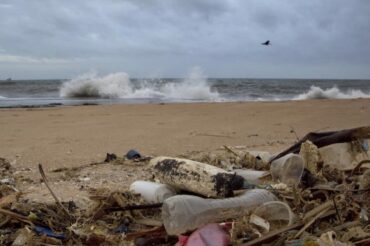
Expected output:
(209, 235)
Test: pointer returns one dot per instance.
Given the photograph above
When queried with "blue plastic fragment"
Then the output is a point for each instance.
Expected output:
(48, 232)
(133, 154)
(365, 145)
(121, 229)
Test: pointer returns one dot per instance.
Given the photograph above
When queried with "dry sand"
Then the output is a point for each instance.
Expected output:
(72, 136)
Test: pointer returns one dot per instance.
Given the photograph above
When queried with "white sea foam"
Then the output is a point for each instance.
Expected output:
(316, 92)
(1, 97)
(119, 85)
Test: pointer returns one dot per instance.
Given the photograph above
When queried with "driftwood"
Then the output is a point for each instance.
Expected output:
(322, 139)
(197, 177)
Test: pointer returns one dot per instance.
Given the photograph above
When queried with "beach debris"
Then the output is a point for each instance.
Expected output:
(316, 194)
(151, 191)
(110, 157)
(322, 139)
(133, 154)
(211, 234)
(252, 176)
(288, 169)
(311, 157)
(345, 156)
(183, 213)
(197, 177)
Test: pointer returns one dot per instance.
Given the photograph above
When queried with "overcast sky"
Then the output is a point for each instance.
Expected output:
(166, 38)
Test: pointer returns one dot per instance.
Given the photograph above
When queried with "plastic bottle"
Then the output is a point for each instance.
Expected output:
(183, 213)
(288, 169)
(152, 192)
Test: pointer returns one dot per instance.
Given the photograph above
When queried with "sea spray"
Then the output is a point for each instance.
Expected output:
(194, 87)
(119, 85)
(114, 85)
(316, 92)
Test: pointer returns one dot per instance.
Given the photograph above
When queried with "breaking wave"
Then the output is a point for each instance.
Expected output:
(1, 97)
(316, 92)
(119, 85)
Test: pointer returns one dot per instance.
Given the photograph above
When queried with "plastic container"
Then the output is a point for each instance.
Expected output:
(250, 175)
(288, 169)
(152, 192)
(345, 156)
(276, 212)
(183, 213)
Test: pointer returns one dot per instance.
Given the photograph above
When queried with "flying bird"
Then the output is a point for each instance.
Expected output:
(266, 43)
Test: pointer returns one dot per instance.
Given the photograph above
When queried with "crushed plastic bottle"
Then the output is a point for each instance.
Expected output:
(183, 213)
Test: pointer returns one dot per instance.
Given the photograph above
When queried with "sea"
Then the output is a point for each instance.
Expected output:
(119, 88)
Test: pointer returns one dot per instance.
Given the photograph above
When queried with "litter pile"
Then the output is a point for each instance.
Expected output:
(317, 192)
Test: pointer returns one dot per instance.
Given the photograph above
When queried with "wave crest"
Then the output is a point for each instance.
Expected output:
(316, 92)
(90, 85)
(119, 85)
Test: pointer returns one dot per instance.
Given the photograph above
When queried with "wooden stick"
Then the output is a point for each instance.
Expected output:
(362, 242)
(154, 231)
(317, 210)
(41, 170)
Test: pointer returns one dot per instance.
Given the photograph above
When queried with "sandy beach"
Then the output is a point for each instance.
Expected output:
(73, 136)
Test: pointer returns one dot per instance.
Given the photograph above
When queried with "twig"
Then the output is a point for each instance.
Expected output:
(41, 170)
(154, 231)
(358, 166)
(15, 216)
(336, 210)
(311, 222)
(273, 234)
(292, 130)
(317, 210)
(230, 150)
(340, 227)
(135, 207)
(362, 242)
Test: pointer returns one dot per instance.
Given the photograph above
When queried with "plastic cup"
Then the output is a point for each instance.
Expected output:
(288, 169)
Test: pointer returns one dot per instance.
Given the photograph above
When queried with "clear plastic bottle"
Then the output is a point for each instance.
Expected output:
(152, 192)
(183, 213)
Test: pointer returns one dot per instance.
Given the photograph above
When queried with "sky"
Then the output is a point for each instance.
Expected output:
(44, 39)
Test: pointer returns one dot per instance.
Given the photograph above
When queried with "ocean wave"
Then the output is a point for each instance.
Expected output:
(119, 85)
(334, 92)
(1, 97)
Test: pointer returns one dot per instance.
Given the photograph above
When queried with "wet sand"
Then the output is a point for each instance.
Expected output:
(72, 136)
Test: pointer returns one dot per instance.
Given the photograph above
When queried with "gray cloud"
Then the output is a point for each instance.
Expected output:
(166, 37)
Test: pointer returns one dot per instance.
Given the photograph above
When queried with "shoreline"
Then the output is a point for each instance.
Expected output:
(69, 136)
